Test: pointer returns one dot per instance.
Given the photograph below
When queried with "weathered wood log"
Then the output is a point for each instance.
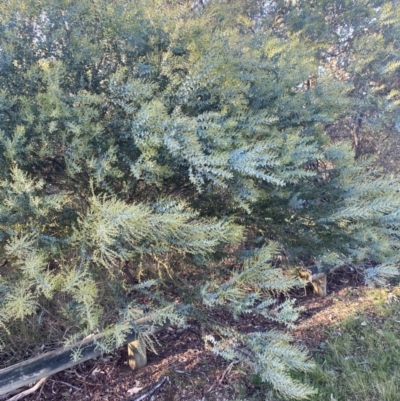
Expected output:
(34, 369)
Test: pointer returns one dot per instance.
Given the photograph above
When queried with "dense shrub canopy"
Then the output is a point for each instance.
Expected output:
(171, 160)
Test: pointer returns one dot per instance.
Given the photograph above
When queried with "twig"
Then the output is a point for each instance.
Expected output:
(40, 393)
(222, 377)
(152, 390)
(29, 391)
(228, 369)
(67, 384)
(5, 396)
(77, 374)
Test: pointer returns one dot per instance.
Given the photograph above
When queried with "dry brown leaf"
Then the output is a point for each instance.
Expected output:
(134, 390)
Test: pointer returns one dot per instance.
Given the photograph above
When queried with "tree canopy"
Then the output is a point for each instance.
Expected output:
(175, 160)
(358, 43)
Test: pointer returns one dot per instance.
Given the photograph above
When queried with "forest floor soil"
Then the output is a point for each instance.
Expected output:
(184, 369)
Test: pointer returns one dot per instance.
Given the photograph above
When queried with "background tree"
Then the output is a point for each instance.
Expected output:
(358, 43)
(168, 161)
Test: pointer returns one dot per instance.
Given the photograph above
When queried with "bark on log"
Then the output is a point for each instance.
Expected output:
(34, 369)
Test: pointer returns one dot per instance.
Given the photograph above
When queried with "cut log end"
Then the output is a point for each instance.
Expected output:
(137, 357)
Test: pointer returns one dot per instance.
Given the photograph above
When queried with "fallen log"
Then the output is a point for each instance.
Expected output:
(34, 369)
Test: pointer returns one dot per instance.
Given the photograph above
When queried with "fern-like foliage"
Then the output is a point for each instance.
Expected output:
(167, 161)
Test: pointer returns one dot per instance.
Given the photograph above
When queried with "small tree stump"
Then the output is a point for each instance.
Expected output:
(137, 357)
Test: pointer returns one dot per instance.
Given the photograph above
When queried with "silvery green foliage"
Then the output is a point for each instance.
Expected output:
(269, 354)
(160, 161)
(252, 289)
